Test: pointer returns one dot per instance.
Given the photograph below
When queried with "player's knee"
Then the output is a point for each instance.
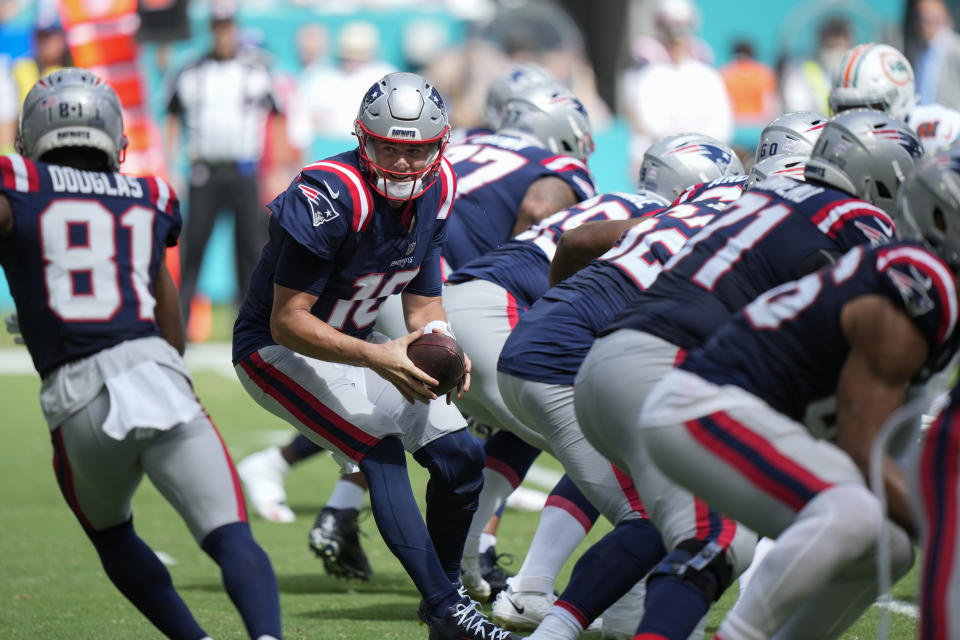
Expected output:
(703, 564)
(850, 515)
(456, 462)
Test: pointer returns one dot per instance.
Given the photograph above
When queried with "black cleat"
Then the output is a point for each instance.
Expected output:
(335, 539)
(492, 570)
(463, 621)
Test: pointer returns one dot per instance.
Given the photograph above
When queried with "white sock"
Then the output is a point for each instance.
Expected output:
(557, 537)
(495, 490)
(558, 624)
(487, 540)
(347, 495)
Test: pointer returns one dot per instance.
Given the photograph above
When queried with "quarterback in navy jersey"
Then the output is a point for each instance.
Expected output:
(847, 340)
(533, 166)
(349, 232)
(83, 247)
(776, 232)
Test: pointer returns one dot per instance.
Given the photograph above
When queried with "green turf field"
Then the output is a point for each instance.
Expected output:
(52, 586)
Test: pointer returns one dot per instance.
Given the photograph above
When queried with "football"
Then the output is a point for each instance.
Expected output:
(438, 355)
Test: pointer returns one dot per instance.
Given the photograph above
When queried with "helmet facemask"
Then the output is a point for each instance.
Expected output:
(400, 185)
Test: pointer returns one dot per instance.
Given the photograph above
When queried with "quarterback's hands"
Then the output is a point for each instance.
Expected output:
(390, 361)
(13, 327)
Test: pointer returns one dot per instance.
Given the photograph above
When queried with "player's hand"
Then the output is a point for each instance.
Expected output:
(464, 385)
(13, 327)
(392, 364)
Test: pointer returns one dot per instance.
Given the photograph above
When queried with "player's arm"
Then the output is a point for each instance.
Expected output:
(6, 217)
(426, 313)
(582, 244)
(294, 326)
(167, 311)
(886, 351)
(544, 197)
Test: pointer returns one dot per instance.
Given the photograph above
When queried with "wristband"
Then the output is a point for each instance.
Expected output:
(441, 326)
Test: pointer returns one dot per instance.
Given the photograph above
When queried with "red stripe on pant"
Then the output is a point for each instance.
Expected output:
(61, 468)
(237, 489)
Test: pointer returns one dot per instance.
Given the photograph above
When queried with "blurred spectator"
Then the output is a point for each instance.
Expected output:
(538, 32)
(329, 95)
(50, 52)
(313, 56)
(679, 95)
(667, 18)
(938, 65)
(223, 100)
(752, 86)
(805, 84)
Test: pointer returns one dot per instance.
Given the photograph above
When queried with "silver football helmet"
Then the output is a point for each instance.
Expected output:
(72, 107)
(676, 162)
(874, 76)
(507, 85)
(402, 108)
(790, 166)
(552, 115)
(865, 153)
(928, 206)
(791, 134)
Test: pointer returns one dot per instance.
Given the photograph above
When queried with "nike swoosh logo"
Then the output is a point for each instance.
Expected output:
(514, 604)
(333, 194)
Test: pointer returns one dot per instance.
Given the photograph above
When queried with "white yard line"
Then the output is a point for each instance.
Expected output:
(900, 606)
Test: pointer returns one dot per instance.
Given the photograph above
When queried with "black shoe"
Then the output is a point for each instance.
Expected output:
(463, 621)
(492, 571)
(335, 539)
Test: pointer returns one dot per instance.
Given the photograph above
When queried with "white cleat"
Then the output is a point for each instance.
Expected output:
(262, 474)
(521, 610)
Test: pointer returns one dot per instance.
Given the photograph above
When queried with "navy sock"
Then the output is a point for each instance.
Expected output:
(302, 447)
(612, 566)
(136, 571)
(247, 576)
(455, 462)
(674, 606)
(398, 518)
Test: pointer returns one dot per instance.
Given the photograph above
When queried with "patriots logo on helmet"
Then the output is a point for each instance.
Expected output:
(715, 154)
(436, 99)
(569, 101)
(320, 213)
(906, 139)
(914, 289)
(373, 93)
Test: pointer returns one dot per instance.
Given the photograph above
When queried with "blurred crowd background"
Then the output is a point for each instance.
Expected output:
(643, 68)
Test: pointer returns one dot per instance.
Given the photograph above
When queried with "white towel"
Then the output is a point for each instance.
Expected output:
(144, 397)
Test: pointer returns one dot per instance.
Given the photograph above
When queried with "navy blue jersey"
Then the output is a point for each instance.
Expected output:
(552, 338)
(83, 256)
(787, 347)
(522, 265)
(332, 236)
(493, 175)
(777, 232)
